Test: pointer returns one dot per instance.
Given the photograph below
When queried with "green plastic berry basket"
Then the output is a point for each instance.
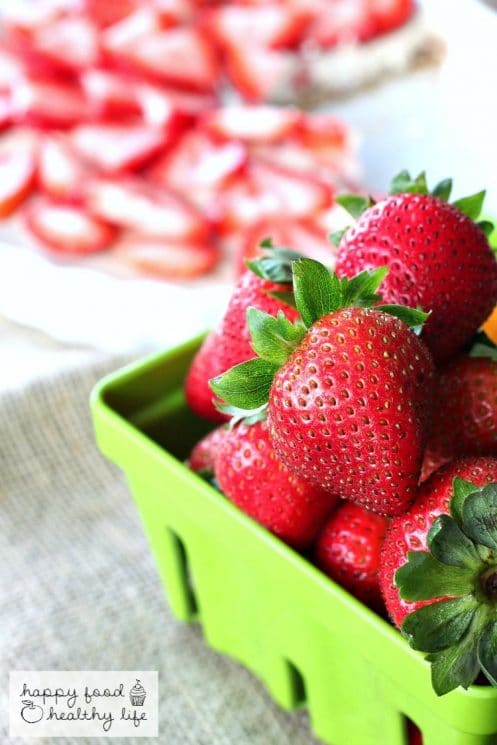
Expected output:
(257, 600)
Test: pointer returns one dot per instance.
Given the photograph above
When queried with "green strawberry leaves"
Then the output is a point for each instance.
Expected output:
(243, 391)
(275, 265)
(402, 183)
(354, 204)
(274, 339)
(459, 572)
(471, 206)
(246, 385)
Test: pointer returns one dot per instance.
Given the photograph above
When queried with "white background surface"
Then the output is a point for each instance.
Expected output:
(442, 121)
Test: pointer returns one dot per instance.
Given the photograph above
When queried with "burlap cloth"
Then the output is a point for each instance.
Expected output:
(78, 587)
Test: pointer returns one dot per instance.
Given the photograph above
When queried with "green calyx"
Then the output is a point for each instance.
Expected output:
(459, 630)
(275, 265)
(404, 183)
(480, 345)
(243, 391)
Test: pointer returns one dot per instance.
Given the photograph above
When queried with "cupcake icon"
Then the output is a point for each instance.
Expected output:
(137, 694)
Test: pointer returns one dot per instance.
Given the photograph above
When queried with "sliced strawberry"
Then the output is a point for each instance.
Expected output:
(269, 25)
(11, 70)
(390, 14)
(61, 174)
(17, 178)
(25, 17)
(50, 103)
(159, 104)
(121, 36)
(318, 131)
(297, 194)
(174, 12)
(252, 124)
(113, 96)
(180, 56)
(67, 229)
(302, 235)
(146, 209)
(107, 12)
(342, 21)
(70, 42)
(261, 74)
(166, 259)
(198, 165)
(7, 112)
(117, 148)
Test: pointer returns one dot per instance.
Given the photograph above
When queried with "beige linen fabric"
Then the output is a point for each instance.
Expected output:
(79, 590)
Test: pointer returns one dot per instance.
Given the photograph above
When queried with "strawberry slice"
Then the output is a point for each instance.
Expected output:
(297, 194)
(50, 103)
(68, 43)
(17, 179)
(390, 14)
(261, 74)
(174, 12)
(107, 12)
(342, 21)
(270, 25)
(67, 229)
(198, 165)
(252, 124)
(60, 173)
(112, 95)
(146, 209)
(159, 104)
(181, 56)
(166, 259)
(318, 131)
(121, 36)
(117, 148)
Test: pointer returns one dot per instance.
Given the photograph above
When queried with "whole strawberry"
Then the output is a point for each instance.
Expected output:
(204, 453)
(250, 474)
(439, 572)
(348, 547)
(439, 258)
(229, 344)
(347, 389)
(464, 420)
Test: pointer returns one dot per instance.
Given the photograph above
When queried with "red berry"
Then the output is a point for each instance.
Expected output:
(230, 344)
(409, 531)
(348, 410)
(348, 550)
(204, 454)
(438, 258)
(250, 474)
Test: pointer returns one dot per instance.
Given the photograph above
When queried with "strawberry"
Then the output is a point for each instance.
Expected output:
(146, 209)
(17, 179)
(60, 172)
(50, 103)
(261, 74)
(464, 420)
(115, 148)
(111, 94)
(438, 572)
(203, 456)
(250, 474)
(67, 229)
(108, 12)
(270, 25)
(197, 165)
(438, 257)
(181, 56)
(70, 43)
(252, 124)
(229, 343)
(166, 259)
(348, 547)
(347, 389)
